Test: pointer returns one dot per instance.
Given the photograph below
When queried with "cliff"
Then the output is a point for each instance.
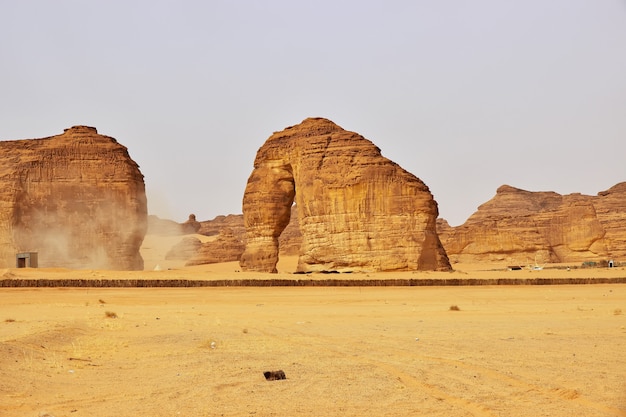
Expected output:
(519, 226)
(77, 199)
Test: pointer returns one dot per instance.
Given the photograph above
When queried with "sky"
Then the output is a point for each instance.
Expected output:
(466, 95)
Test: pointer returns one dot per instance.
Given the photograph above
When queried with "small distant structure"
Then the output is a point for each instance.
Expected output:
(611, 263)
(26, 260)
(536, 266)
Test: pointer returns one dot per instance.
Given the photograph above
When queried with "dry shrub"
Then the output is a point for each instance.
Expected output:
(617, 312)
(9, 320)
(455, 308)
(110, 315)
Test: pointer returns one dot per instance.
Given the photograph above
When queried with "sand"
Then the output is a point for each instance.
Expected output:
(353, 351)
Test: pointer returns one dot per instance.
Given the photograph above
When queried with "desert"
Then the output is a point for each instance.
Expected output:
(312, 208)
(331, 295)
(494, 350)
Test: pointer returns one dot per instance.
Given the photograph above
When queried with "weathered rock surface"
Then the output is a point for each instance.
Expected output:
(521, 227)
(356, 209)
(610, 208)
(232, 221)
(290, 240)
(227, 247)
(234, 235)
(77, 199)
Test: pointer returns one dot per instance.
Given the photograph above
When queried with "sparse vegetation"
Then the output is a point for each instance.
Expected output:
(110, 315)
(101, 301)
(455, 308)
(617, 312)
(9, 320)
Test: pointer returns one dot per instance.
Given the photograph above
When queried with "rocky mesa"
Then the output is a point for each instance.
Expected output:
(77, 199)
(521, 227)
(357, 210)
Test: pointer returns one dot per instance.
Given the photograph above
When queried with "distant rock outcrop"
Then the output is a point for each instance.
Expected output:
(185, 249)
(227, 247)
(232, 221)
(231, 233)
(519, 226)
(191, 225)
(290, 239)
(77, 199)
(165, 227)
(356, 209)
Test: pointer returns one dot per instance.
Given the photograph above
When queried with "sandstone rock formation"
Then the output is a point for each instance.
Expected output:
(77, 199)
(232, 221)
(191, 225)
(610, 208)
(290, 240)
(357, 210)
(522, 227)
(227, 247)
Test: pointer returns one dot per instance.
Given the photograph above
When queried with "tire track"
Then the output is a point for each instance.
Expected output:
(499, 379)
(475, 409)
(557, 393)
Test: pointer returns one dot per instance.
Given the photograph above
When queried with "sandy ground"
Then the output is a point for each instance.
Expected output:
(401, 351)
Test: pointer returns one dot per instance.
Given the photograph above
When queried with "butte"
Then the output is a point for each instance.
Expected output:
(357, 210)
(77, 199)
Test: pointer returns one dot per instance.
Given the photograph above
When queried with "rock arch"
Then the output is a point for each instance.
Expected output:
(357, 210)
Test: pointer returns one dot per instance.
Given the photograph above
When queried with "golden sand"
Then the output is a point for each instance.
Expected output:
(352, 351)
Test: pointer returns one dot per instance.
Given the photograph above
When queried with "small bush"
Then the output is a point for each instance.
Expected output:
(617, 312)
(9, 320)
(455, 308)
(110, 315)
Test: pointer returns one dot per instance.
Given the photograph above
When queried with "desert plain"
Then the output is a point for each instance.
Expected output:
(494, 350)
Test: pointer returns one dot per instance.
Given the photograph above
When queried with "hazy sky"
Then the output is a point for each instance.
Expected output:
(466, 95)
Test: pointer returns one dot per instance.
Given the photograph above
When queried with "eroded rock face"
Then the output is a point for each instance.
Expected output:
(232, 221)
(230, 235)
(227, 247)
(356, 209)
(77, 199)
(519, 226)
(610, 208)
